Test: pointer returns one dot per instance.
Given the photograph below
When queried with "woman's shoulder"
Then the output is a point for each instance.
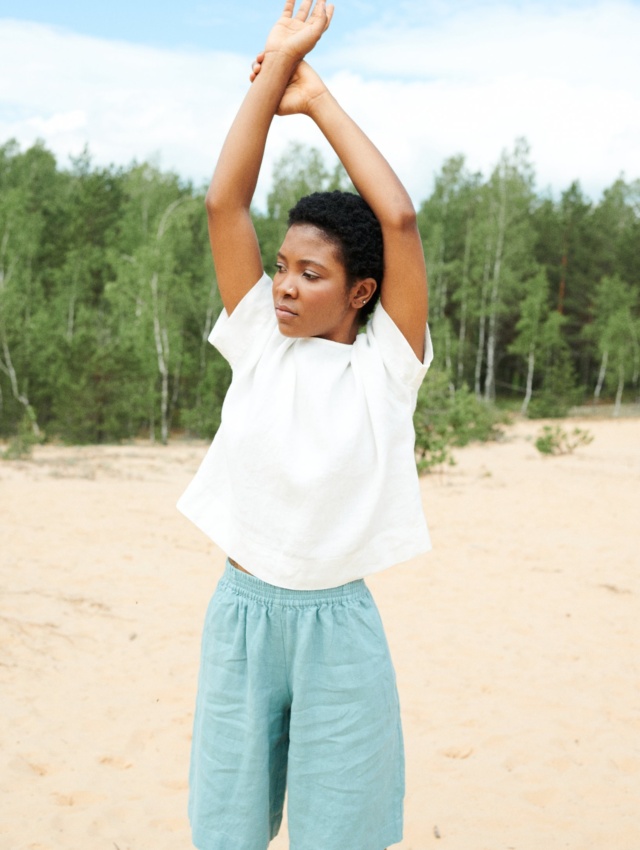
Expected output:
(383, 337)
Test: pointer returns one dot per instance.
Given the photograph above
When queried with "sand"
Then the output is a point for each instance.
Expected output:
(516, 642)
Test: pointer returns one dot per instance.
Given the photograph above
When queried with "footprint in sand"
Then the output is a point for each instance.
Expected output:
(22, 764)
(115, 761)
(457, 752)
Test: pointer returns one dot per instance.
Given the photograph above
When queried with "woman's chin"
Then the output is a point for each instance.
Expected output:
(286, 329)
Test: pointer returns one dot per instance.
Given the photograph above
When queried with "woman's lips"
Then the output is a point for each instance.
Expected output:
(284, 313)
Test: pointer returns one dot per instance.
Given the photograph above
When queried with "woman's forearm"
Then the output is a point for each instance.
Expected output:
(404, 287)
(236, 174)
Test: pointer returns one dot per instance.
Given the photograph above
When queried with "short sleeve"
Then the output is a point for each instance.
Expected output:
(242, 336)
(397, 355)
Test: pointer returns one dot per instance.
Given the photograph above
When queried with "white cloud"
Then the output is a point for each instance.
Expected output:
(126, 101)
(567, 78)
(585, 43)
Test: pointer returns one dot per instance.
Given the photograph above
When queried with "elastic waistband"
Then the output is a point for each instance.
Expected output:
(254, 588)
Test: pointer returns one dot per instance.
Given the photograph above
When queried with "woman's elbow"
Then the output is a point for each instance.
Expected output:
(402, 217)
(213, 202)
(218, 203)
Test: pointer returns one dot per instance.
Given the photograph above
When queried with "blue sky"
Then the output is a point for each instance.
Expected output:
(200, 24)
(425, 78)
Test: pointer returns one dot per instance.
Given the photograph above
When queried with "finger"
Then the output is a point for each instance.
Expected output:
(303, 11)
(330, 11)
(322, 13)
(256, 67)
(287, 12)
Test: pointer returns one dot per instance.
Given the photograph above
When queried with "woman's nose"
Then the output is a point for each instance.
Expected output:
(287, 286)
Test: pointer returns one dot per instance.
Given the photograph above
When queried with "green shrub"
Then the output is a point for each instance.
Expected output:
(28, 435)
(558, 392)
(446, 417)
(554, 440)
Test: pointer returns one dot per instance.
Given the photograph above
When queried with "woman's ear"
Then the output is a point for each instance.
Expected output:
(362, 291)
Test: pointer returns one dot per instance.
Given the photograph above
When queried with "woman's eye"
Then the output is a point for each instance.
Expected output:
(310, 275)
(279, 268)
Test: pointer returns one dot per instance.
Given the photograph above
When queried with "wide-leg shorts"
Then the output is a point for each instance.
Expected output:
(296, 691)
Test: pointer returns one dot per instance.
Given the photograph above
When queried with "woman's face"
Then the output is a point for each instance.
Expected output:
(310, 292)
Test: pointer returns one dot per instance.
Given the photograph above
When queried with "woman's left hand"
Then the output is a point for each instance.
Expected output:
(302, 89)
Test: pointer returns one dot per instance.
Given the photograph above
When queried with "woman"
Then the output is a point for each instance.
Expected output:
(310, 483)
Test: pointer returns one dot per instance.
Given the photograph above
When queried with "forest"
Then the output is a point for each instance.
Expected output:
(108, 294)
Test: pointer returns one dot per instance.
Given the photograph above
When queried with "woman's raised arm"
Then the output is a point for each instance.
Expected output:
(404, 290)
(234, 244)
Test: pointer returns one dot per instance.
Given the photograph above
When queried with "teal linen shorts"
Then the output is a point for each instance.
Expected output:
(296, 691)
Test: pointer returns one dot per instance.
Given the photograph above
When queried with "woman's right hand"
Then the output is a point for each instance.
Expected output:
(295, 35)
(303, 88)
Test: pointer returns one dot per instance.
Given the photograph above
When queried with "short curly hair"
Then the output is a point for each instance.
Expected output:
(349, 222)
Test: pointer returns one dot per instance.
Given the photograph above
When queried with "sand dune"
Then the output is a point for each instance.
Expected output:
(516, 641)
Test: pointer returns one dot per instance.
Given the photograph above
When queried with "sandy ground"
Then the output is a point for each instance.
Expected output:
(516, 642)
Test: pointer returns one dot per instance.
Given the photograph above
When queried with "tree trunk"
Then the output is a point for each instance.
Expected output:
(490, 376)
(616, 407)
(483, 317)
(463, 304)
(601, 374)
(7, 367)
(530, 367)
(440, 287)
(175, 395)
(447, 357)
(162, 352)
(160, 333)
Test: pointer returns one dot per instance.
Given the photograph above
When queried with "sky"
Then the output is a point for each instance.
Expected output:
(161, 81)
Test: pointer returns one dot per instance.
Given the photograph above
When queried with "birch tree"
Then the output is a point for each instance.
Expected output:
(22, 178)
(153, 283)
(511, 237)
(615, 329)
(448, 224)
(533, 314)
(558, 388)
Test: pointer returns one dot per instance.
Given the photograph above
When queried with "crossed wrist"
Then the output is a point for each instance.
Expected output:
(283, 57)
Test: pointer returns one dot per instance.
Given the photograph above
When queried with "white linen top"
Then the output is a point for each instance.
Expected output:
(311, 480)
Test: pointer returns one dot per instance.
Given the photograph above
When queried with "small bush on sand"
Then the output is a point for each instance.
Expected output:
(446, 417)
(555, 440)
(28, 435)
